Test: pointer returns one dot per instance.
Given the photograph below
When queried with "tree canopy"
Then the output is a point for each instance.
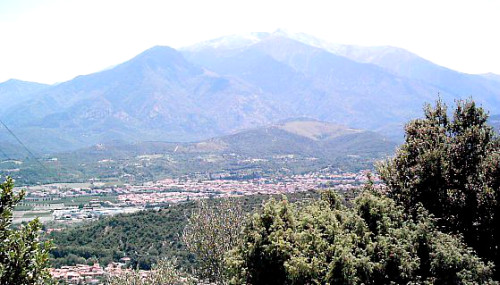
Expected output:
(451, 166)
(23, 257)
(374, 241)
(211, 230)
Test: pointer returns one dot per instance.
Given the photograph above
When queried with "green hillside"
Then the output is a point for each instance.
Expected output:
(295, 146)
(144, 236)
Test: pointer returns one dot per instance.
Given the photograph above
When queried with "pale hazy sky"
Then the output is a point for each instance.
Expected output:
(55, 40)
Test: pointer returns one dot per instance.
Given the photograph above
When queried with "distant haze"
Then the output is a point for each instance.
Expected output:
(54, 40)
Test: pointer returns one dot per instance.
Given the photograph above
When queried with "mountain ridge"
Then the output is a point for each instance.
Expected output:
(14, 91)
(155, 90)
(223, 86)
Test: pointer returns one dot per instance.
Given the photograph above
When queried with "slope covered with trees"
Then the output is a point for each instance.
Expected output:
(145, 237)
(294, 146)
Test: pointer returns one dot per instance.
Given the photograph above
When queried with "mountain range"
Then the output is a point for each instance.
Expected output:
(231, 84)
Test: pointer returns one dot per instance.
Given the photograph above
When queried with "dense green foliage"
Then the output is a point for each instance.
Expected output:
(145, 237)
(451, 166)
(23, 258)
(372, 242)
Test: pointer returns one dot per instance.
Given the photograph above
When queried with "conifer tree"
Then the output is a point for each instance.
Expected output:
(23, 256)
(451, 166)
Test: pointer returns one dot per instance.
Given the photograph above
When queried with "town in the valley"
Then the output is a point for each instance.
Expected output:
(74, 202)
(67, 203)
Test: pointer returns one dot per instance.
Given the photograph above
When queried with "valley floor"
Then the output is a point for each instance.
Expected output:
(69, 203)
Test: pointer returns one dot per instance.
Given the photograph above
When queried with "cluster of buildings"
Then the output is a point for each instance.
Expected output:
(89, 213)
(89, 274)
(54, 192)
(133, 198)
(178, 190)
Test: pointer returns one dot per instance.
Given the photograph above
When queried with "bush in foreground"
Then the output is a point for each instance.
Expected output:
(372, 242)
(23, 257)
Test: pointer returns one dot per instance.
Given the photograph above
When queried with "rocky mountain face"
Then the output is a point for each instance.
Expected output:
(158, 95)
(231, 84)
(361, 87)
(409, 65)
